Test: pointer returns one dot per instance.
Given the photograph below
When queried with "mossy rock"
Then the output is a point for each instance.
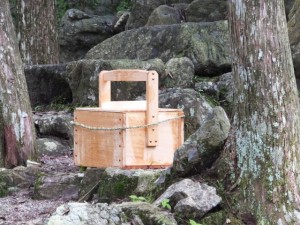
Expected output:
(119, 184)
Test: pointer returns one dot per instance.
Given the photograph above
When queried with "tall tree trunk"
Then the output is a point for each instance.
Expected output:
(36, 31)
(266, 122)
(16, 124)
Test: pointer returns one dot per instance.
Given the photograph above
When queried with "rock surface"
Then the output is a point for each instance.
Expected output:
(79, 32)
(190, 199)
(85, 213)
(194, 106)
(164, 15)
(203, 147)
(206, 44)
(47, 84)
(206, 10)
(120, 184)
(59, 186)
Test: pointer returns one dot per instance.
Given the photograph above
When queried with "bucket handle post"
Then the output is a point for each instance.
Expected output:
(151, 79)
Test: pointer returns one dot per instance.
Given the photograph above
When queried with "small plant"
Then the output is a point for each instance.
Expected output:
(135, 198)
(166, 204)
(193, 222)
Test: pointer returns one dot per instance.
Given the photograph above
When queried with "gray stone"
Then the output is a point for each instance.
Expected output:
(206, 44)
(47, 84)
(190, 199)
(50, 147)
(180, 73)
(85, 213)
(195, 107)
(83, 79)
(90, 183)
(206, 10)
(79, 32)
(120, 184)
(164, 15)
(146, 213)
(58, 186)
(203, 147)
(55, 124)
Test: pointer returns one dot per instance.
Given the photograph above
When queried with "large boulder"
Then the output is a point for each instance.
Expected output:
(47, 84)
(55, 124)
(180, 73)
(206, 44)
(83, 79)
(50, 147)
(294, 36)
(194, 106)
(206, 10)
(120, 184)
(190, 199)
(203, 147)
(164, 15)
(145, 213)
(104, 214)
(79, 32)
(85, 213)
(58, 186)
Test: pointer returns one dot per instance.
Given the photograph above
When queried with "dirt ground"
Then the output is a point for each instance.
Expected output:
(20, 208)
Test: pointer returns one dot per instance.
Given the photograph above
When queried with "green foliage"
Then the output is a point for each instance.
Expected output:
(135, 198)
(166, 204)
(61, 8)
(193, 222)
(124, 5)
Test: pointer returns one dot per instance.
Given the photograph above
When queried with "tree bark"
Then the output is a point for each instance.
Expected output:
(266, 121)
(36, 31)
(17, 134)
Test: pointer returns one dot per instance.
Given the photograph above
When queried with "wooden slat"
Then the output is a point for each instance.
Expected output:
(104, 90)
(125, 75)
(152, 108)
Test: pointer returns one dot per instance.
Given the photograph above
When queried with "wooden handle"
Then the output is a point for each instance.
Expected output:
(151, 78)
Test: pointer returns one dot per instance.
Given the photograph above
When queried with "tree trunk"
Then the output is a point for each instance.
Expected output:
(266, 122)
(36, 31)
(16, 124)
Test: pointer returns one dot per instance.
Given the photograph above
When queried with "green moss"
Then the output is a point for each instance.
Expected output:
(3, 189)
(117, 187)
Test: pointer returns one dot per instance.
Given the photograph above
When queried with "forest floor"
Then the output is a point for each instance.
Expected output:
(21, 208)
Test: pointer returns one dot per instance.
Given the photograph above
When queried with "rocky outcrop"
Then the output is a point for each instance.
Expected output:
(55, 124)
(190, 199)
(180, 73)
(194, 106)
(120, 184)
(50, 147)
(103, 214)
(59, 186)
(203, 147)
(206, 44)
(80, 31)
(206, 10)
(164, 15)
(47, 84)
(85, 213)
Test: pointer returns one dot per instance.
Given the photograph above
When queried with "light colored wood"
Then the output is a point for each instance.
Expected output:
(151, 78)
(152, 108)
(125, 105)
(127, 148)
(125, 75)
(137, 146)
(98, 148)
(104, 90)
